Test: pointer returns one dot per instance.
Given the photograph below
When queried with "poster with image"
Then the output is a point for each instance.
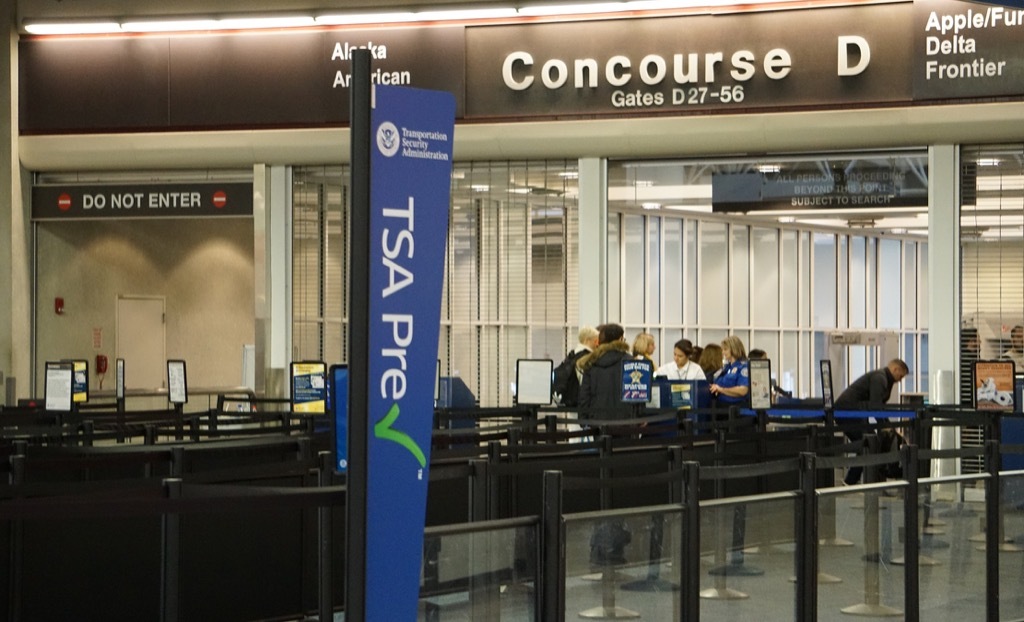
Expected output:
(993, 385)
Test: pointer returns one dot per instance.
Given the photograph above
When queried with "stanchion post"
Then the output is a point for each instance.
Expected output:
(16, 478)
(551, 604)
(478, 490)
(689, 580)
(170, 555)
(807, 541)
(493, 498)
(911, 548)
(325, 520)
(993, 533)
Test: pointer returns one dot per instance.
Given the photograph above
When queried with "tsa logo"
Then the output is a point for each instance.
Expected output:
(387, 139)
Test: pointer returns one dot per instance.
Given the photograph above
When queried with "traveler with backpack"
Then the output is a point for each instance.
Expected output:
(566, 382)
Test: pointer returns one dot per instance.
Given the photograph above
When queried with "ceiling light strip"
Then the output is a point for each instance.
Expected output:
(88, 27)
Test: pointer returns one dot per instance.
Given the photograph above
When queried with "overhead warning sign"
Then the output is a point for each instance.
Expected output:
(185, 200)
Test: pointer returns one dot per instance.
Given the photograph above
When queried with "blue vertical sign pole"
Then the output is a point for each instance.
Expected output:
(359, 341)
(411, 132)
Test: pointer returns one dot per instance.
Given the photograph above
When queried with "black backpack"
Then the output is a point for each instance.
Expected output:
(565, 382)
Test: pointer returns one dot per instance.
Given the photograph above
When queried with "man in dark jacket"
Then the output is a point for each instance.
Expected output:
(869, 392)
(601, 385)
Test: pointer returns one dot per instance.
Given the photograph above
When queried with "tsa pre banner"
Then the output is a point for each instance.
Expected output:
(410, 177)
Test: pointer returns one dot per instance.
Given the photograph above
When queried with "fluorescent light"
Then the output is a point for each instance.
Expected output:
(989, 161)
(787, 219)
(769, 168)
(364, 18)
(230, 23)
(170, 25)
(572, 9)
(247, 23)
(464, 14)
(73, 28)
(650, 205)
(342, 19)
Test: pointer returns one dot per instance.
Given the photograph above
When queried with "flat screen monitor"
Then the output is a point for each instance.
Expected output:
(339, 407)
(533, 381)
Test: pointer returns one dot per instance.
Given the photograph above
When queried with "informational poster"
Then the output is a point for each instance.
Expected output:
(636, 381)
(994, 385)
(59, 380)
(339, 406)
(119, 379)
(309, 387)
(80, 382)
(760, 384)
(411, 133)
(826, 383)
(533, 381)
(177, 387)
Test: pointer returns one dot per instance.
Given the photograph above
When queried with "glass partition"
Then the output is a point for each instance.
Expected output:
(952, 569)
(859, 569)
(748, 558)
(487, 574)
(623, 564)
(1011, 553)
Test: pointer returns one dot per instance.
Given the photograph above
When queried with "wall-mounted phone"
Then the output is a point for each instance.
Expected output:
(101, 363)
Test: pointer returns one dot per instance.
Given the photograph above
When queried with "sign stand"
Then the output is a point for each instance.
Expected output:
(359, 343)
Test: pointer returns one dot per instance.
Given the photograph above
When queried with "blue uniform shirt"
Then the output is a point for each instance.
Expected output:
(736, 374)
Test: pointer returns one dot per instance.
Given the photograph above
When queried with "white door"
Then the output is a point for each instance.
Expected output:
(141, 341)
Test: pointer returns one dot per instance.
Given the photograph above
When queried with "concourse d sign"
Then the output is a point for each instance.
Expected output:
(410, 169)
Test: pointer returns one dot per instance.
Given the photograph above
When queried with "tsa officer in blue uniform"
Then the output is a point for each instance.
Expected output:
(732, 385)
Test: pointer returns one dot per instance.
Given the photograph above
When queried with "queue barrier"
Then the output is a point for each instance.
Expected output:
(26, 504)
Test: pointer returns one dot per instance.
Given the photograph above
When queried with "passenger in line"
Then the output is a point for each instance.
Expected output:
(711, 361)
(643, 348)
(732, 386)
(601, 398)
(869, 392)
(682, 366)
(601, 385)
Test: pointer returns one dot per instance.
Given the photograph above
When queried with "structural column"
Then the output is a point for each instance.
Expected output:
(271, 213)
(944, 291)
(593, 241)
(15, 229)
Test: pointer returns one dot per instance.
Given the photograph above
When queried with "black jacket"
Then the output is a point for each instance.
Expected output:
(601, 387)
(870, 391)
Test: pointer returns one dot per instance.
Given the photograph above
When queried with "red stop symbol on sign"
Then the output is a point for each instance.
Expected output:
(220, 199)
(64, 202)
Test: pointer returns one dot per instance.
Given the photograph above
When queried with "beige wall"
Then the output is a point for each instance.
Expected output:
(202, 267)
